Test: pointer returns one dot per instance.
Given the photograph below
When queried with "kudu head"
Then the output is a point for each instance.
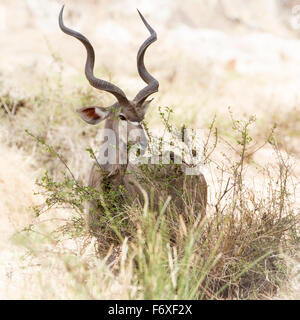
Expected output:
(124, 111)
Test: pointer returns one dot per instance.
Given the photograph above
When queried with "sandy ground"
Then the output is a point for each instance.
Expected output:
(16, 190)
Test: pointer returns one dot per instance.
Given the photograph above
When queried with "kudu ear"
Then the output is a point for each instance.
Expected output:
(145, 106)
(93, 115)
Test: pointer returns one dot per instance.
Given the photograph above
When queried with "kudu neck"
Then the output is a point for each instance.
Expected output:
(113, 155)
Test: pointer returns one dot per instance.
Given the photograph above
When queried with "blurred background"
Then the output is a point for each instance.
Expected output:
(210, 54)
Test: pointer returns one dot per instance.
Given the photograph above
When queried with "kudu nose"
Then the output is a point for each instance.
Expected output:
(141, 144)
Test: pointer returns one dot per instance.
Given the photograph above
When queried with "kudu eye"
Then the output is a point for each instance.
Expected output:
(121, 117)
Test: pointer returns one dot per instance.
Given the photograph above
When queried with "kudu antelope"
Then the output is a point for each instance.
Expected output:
(129, 113)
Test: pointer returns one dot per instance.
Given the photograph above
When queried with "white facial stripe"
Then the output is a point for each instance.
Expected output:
(135, 123)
